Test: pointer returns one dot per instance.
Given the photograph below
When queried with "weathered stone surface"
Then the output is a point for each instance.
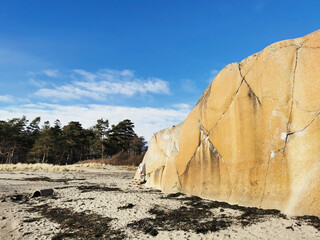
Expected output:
(254, 136)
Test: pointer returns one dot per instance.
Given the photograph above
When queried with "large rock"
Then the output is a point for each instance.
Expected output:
(254, 136)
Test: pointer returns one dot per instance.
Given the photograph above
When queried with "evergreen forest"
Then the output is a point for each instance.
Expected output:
(22, 141)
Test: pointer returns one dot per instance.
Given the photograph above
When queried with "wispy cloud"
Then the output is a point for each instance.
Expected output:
(181, 106)
(86, 75)
(51, 73)
(188, 85)
(66, 92)
(37, 83)
(128, 88)
(147, 120)
(35, 76)
(6, 99)
(104, 83)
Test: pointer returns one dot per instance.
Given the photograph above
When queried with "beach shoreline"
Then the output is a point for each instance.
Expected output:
(105, 203)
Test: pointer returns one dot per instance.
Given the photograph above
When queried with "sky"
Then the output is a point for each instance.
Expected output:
(144, 60)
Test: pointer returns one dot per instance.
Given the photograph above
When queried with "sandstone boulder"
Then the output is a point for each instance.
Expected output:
(254, 136)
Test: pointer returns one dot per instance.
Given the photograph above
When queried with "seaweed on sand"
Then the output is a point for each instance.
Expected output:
(79, 225)
(196, 214)
(98, 188)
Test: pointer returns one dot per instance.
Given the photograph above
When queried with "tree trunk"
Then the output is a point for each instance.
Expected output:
(102, 151)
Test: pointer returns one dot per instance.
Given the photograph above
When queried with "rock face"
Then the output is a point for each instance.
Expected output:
(254, 136)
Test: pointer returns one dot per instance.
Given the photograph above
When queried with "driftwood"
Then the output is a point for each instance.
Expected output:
(43, 192)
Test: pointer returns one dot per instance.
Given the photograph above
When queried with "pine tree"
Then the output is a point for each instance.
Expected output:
(101, 132)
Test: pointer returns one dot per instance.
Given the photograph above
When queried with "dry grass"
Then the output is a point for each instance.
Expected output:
(49, 167)
(123, 161)
(119, 159)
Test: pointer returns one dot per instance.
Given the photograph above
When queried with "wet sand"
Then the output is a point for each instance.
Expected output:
(105, 204)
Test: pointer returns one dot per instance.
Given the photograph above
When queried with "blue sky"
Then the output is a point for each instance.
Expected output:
(146, 60)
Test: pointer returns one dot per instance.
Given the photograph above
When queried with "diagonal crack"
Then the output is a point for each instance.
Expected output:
(217, 153)
(156, 138)
(306, 126)
(226, 109)
(236, 93)
(212, 147)
(243, 79)
(188, 164)
(202, 128)
(304, 110)
(256, 56)
(256, 97)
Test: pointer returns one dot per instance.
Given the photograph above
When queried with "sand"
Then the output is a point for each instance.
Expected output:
(102, 202)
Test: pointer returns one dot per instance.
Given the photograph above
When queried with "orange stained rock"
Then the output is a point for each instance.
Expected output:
(254, 136)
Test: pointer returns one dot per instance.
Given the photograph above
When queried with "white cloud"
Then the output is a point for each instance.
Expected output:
(147, 120)
(129, 88)
(66, 92)
(37, 83)
(6, 99)
(87, 75)
(182, 106)
(51, 73)
(103, 83)
(115, 75)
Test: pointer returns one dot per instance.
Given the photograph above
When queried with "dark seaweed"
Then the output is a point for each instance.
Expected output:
(196, 215)
(98, 188)
(310, 220)
(78, 225)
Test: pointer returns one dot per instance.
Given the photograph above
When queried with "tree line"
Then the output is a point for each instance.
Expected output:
(27, 142)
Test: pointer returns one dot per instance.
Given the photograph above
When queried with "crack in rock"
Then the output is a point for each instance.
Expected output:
(250, 89)
(288, 123)
(217, 155)
(305, 126)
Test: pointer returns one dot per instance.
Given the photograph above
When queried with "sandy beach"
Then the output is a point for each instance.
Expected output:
(104, 203)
